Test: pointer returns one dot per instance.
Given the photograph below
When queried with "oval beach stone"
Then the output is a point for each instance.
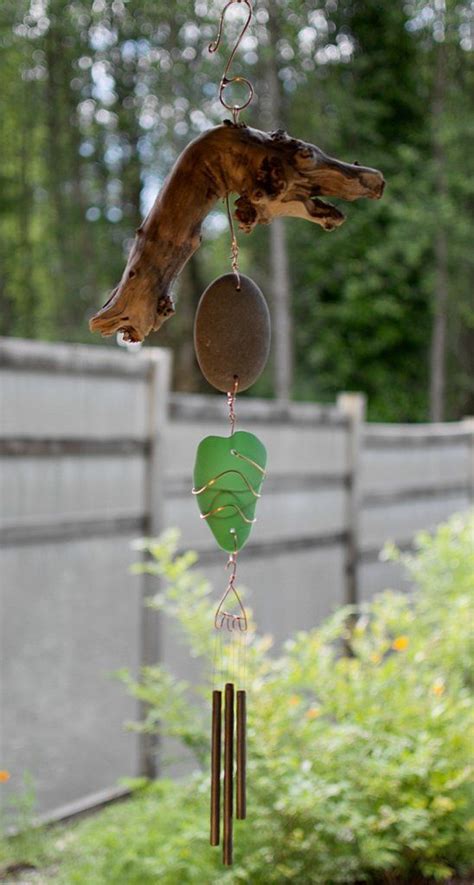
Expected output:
(232, 333)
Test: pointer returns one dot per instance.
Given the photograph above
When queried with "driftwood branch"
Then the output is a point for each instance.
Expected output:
(273, 174)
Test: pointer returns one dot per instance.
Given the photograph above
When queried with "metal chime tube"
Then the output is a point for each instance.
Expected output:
(241, 755)
(228, 773)
(216, 766)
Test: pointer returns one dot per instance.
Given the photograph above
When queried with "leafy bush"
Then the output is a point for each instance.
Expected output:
(359, 764)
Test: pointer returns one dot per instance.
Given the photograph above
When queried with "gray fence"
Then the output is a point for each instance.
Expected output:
(95, 451)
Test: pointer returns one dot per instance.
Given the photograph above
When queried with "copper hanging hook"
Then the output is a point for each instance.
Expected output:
(226, 81)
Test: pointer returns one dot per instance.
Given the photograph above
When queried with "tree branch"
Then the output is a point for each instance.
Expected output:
(274, 174)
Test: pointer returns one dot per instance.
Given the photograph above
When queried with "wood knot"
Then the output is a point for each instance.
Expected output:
(165, 306)
(245, 213)
(279, 135)
(271, 178)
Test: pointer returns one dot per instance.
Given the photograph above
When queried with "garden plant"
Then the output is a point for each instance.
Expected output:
(360, 742)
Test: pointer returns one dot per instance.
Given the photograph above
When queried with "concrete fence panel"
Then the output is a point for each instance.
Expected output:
(412, 477)
(95, 452)
(77, 464)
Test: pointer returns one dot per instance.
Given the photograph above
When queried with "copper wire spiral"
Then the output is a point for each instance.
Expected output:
(234, 492)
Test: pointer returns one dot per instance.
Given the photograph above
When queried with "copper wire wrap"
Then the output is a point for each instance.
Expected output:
(234, 246)
(220, 508)
(235, 509)
(211, 482)
(227, 847)
(241, 756)
(216, 767)
(249, 461)
(231, 395)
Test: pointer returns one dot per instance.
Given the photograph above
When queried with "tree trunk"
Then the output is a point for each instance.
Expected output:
(187, 376)
(279, 276)
(441, 271)
(282, 319)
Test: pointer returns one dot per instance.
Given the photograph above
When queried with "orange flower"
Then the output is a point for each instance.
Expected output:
(294, 700)
(438, 687)
(313, 713)
(400, 643)
(375, 657)
(4, 776)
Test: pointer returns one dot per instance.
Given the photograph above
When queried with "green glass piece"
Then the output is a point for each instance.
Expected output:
(228, 475)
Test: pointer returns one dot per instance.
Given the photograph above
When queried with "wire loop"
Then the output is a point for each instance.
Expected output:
(228, 618)
(226, 81)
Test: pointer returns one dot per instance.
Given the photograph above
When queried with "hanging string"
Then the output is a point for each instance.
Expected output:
(216, 661)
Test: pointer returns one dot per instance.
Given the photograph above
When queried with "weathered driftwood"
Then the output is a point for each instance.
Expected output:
(273, 174)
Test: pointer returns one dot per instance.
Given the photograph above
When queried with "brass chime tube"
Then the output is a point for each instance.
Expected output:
(228, 772)
(216, 766)
(241, 755)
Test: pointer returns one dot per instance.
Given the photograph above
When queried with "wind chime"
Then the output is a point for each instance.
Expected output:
(273, 175)
(232, 343)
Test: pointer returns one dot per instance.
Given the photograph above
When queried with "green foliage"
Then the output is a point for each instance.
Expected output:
(359, 765)
(23, 844)
(98, 98)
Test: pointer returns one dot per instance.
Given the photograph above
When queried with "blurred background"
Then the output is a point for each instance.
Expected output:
(97, 100)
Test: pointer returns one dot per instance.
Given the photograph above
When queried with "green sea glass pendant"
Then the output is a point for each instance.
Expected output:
(228, 475)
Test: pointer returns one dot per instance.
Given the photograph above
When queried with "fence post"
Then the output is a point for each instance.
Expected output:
(158, 399)
(353, 405)
(468, 423)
